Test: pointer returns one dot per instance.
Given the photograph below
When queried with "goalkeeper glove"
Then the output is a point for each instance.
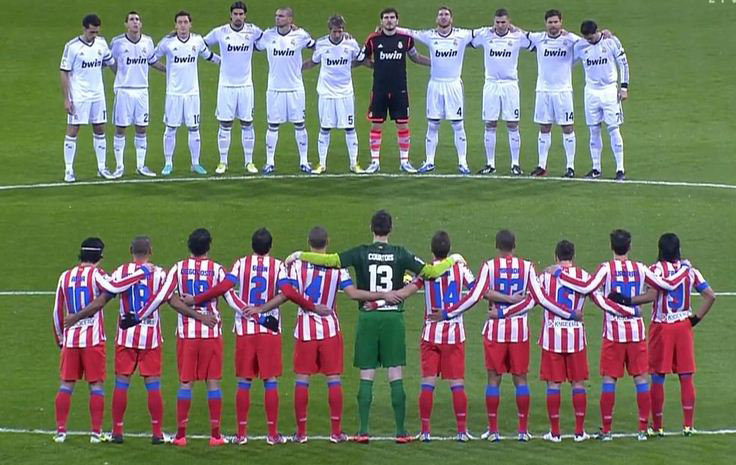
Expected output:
(619, 298)
(269, 322)
(129, 320)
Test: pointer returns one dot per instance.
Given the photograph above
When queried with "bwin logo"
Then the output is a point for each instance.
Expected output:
(135, 61)
(91, 64)
(445, 53)
(596, 61)
(500, 53)
(184, 59)
(555, 53)
(390, 55)
(337, 62)
(237, 48)
(283, 53)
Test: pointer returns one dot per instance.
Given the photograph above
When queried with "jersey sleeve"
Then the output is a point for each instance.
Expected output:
(318, 52)
(479, 290)
(468, 278)
(151, 53)
(260, 43)
(306, 40)
(479, 35)
(622, 61)
(345, 279)
(58, 313)
(524, 41)
(204, 51)
(160, 51)
(699, 282)
(67, 58)
(534, 38)
(107, 59)
(212, 37)
(113, 286)
(163, 295)
(411, 262)
(542, 298)
(584, 286)
(287, 276)
(351, 257)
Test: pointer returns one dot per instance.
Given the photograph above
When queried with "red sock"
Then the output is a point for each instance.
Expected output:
(242, 405)
(301, 400)
(657, 401)
(522, 406)
(183, 403)
(579, 405)
(155, 407)
(214, 401)
(404, 136)
(687, 397)
(271, 402)
(492, 400)
(375, 144)
(608, 400)
(426, 399)
(644, 403)
(119, 403)
(63, 404)
(460, 403)
(334, 399)
(553, 410)
(96, 409)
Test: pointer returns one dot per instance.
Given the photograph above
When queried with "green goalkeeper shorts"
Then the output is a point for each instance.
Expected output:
(380, 340)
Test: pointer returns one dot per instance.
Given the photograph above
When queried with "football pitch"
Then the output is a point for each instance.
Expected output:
(679, 135)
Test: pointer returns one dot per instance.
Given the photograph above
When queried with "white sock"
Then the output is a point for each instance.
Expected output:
(118, 147)
(302, 144)
(543, 143)
(568, 141)
(596, 146)
(272, 138)
(169, 144)
(194, 145)
(461, 143)
(430, 144)
(223, 142)
(617, 144)
(323, 144)
(351, 139)
(489, 139)
(514, 145)
(248, 137)
(100, 143)
(70, 150)
(141, 143)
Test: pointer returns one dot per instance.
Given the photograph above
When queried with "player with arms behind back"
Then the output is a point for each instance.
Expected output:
(337, 54)
(84, 93)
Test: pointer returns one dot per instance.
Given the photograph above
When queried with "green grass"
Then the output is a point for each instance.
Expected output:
(678, 127)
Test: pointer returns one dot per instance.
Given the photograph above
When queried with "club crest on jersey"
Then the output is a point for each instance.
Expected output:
(194, 49)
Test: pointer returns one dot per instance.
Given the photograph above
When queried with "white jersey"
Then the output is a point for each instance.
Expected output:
(336, 63)
(446, 52)
(284, 58)
(501, 53)
(181, 62)
(554, 60)
(600, 60)
(84, 63)
(236, 52)
(132, 59)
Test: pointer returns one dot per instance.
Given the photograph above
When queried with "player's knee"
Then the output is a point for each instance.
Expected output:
(273, 127)
(120, 130)
(226, 124)
(545, 128)
(611, 129)
(568, 129)
(349, 130)
(299, 126)
(193, 128)
(246, 124)
(98, 129)
(72, 130)
(512, 126)
(433, 125)
(324, 130)
(492, 124)
(170, 130)
(141, 130)
(458, 126)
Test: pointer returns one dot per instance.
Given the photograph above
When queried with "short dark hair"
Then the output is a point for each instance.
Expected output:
(620, 241)
(381, 223)
(501, 12)
(550, 13)
(91, 20)
(199, 242)
(505, 240)
(441, 244)
(443, 7)
(182, 13)
(131, 12)
(588, 27)
(388, 10)
(335, 21)
(669, 247)
(565, 250)
(261, 241)
(141, 245)
(91, 250)
(238, 6)
(318, 237)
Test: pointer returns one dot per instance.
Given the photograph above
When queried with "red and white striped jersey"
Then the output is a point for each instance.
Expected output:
(673, 306)
(77, 287)
(146, 334)
(192, 276)
(558, 334)
(320, 285)
(443, 293)
(628, 278)
(256, 277)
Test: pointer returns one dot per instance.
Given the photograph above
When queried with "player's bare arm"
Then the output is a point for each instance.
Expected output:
(358, 294)
(645, 298)
(708, 298)
(180, 307)
(159, 66)
(68, 105)
(254, 311)
(88, 311)
(418, 58)
(495, 296)
(308, 64)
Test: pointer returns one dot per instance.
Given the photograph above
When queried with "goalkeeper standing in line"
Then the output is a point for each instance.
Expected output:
(380, 335)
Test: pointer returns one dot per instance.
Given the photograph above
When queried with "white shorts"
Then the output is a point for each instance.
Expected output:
(285, 106)
(182, 109)
(234, 103)
(603, 105)
(89, 112)
(336, 113)
(445, 100)
(554, 108)
(131, 107)
(501, 101)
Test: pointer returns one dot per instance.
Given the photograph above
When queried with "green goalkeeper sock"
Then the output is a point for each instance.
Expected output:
(398, 402)
(365, 397)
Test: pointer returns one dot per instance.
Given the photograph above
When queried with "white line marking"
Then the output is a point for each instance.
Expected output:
(354, 176)
(31, 293)
(373, 438)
